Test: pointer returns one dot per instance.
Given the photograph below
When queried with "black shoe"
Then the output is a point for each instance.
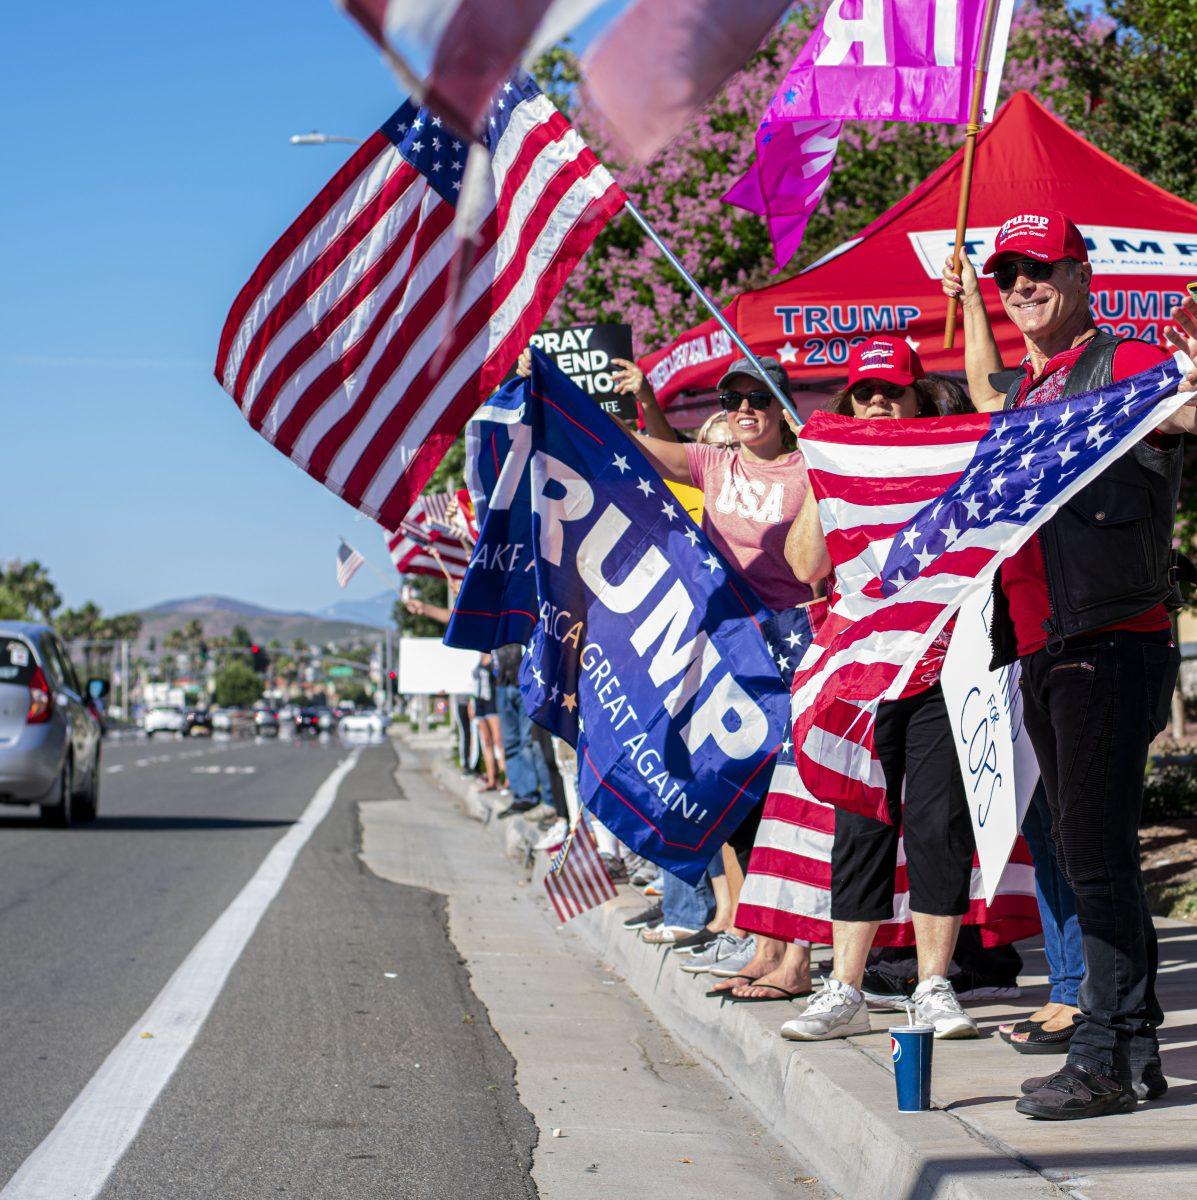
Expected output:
(1073, 1094)
(518, 806)
(695, 942)
(647, 919)
(884, 989)
(1148, 1082)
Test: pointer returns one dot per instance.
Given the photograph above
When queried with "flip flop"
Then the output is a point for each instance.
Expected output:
(784, 995)
(726, 991)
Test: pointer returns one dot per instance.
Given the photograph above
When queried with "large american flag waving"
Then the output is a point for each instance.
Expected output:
(918, 514)
(357, 348)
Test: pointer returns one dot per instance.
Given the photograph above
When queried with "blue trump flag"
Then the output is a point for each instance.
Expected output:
(645, 650)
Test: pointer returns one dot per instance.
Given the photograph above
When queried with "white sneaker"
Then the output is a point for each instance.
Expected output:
(836, 1010)
(935, 1004)
(554, 835)
(726, 951)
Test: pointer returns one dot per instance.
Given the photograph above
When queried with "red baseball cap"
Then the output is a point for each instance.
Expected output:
(1047, 236)
(891, 359)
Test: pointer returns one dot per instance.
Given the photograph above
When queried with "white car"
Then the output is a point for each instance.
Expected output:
(221, 722)
(164, 719)
(362, 722)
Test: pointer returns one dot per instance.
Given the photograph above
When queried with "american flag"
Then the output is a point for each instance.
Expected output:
(348, 561)
(411, 546)
(581, 882)
(918, 515)
(787, 890)
(355, 349)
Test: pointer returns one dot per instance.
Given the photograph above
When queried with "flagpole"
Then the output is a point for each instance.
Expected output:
(970, 151)
(390, 582)
(714, 309)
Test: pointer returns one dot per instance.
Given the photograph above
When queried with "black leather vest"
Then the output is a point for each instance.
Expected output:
(1108, 551)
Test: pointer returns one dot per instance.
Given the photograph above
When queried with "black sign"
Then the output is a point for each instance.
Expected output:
(584, 353)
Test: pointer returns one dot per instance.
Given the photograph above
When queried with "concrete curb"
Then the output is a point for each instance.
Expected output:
(831, 1102)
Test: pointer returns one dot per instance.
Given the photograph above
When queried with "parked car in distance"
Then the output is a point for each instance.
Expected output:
(314, 719)
(286, 714)
(221, 720)
(368, 721)
(49, 739)
(197, 722)
(265, 721)
(166, 718)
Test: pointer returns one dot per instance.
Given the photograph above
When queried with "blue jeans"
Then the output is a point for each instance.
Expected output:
(689, 907)
(527, 771)
(1057, 905)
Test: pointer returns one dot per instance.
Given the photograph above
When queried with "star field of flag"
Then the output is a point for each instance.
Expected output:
(438, 152)
(1005, 481)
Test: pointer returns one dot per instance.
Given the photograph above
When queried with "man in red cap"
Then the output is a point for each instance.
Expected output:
(1084, 607)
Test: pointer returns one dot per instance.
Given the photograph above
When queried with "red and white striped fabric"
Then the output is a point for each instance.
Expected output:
(918, 515)
(582, 883)
(411, 545)
(459, 51)
(358, 348)
(787, 891)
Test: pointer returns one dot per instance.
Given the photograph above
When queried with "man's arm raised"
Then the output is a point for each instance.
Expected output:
(981, 355)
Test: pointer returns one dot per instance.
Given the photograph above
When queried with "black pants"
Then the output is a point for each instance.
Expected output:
(1091, 712)
(913, 739)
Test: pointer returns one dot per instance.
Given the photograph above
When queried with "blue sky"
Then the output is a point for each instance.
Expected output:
(146, 170)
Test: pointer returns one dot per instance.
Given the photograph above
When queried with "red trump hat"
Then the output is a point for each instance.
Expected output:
(891, 359)
(1046, 236)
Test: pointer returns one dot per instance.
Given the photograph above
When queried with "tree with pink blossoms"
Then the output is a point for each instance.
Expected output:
(1070, 59)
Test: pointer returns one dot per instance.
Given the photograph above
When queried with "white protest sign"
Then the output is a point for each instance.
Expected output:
(427, 668)
(996, 758)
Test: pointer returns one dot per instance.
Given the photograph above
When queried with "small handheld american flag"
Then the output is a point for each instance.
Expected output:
(576, 880)
(348, 561)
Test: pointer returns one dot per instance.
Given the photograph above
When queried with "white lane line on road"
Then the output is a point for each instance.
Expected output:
(79, 1153)
(113, 769)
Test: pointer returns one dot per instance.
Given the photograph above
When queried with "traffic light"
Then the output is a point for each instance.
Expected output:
(259, 659)
(393, 684)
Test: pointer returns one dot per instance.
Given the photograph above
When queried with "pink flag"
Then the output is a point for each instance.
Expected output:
(888, 60)
(662, 60)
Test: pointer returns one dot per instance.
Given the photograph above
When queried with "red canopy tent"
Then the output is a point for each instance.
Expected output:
(1142, 244)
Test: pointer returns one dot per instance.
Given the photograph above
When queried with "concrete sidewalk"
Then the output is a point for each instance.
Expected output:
(834, 1101)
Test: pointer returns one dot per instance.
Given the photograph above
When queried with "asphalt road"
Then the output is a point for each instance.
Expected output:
(344, 1056)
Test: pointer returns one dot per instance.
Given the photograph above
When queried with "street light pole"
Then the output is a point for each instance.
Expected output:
(322, 139)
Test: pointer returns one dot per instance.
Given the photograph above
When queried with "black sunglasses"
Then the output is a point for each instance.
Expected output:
(730, 401)
(865, 391)
(1006, 274)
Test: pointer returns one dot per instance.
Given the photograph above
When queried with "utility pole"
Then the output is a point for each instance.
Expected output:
(124, 679)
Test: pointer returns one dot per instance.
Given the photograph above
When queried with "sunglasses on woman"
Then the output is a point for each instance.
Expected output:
(864, 391)
(731, 401)
(1006, 274)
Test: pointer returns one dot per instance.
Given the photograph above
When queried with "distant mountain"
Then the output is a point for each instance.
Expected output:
(193, 605)
(375, 611)
(219, 614)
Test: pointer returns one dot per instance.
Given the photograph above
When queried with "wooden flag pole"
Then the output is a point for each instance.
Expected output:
(970, 151)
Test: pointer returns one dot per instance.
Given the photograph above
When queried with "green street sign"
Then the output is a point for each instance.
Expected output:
(339, 672)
